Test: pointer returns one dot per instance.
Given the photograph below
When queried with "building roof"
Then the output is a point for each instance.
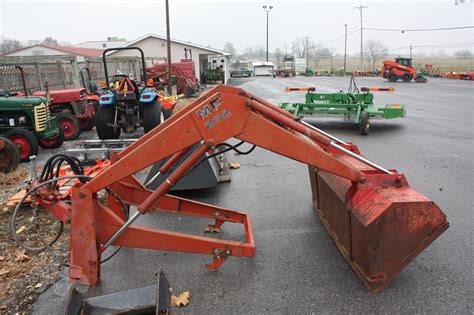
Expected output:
(120, 41)
(209, 48)
(262, 63)
(85, 52)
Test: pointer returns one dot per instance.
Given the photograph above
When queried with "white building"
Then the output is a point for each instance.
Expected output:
(263, 68)
(154, 46)
(103, 44)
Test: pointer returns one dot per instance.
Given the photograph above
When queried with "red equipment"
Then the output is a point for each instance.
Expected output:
(402, 69)
(76, 102)
(183, 71)
(378, 222)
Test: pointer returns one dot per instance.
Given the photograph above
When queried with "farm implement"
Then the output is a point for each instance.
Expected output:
(377, 220)
(355, 104)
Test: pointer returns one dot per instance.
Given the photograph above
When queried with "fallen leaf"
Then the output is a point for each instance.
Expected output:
(211, 229)
(2, 258)
(20, 256)
(4, 271)
(181, 300)
(234, 165)
(38, 285)
(20, 229)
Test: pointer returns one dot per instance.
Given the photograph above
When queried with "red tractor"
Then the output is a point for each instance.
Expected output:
(75, 110)
(402, 69)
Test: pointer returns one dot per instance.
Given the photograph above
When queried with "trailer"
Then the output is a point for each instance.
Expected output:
(355, 104)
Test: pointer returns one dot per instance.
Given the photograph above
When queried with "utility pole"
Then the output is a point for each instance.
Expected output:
(360, 8)
(266, 9)
(286, 49)
(345, 48)
(307, 50)
(410, 51)
(168, 43)
(278, 57)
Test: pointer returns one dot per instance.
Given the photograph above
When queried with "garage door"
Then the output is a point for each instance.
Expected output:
(263, 70)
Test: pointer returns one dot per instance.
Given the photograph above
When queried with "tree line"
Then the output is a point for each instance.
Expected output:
(7, 44)
(374, 51)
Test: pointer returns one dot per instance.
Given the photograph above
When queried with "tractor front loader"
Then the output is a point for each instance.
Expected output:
(376, 219)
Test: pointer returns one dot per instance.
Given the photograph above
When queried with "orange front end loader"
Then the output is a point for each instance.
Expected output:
(377, 220)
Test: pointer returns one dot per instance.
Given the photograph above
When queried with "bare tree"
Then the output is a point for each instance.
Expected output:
(463, 54)
(32, 42)
(303, 47)
(318, 53)
(7, 45)
(229, 47)
(49, 41)
(374, 50)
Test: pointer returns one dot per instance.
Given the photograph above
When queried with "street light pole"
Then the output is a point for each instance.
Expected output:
(345, 48)
(360, 8)
(267, 10)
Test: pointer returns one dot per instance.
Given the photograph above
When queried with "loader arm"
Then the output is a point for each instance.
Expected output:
(378, 222)
(227, 113)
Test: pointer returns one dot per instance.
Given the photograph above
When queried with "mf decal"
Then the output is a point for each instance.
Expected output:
(210, 113)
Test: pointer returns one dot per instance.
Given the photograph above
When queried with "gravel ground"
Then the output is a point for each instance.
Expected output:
(24, 276)
(297, 268)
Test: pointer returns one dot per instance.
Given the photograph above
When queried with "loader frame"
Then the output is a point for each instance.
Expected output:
(223, 113)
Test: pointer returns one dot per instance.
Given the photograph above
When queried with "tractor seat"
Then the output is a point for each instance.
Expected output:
(7, 93)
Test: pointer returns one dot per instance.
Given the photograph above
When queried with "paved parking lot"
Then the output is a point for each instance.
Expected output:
(297, 267)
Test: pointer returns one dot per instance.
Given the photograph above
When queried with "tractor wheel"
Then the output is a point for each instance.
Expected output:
(188, 91)
(52, 143)
(406, 77)
(104, 118)
(392, 77)
(87, 124)
(25, 141)
(70, 126)
(152, 115)
(9, 156)
(364, 123)
(167, 113)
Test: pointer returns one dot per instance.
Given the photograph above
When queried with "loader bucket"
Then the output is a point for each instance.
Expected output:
(380, 228)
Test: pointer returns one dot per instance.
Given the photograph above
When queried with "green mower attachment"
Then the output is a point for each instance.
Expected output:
(354, 104)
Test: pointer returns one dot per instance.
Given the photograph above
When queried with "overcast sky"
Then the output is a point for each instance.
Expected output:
(241, 22)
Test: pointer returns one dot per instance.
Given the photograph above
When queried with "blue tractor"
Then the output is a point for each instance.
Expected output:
(126, 104)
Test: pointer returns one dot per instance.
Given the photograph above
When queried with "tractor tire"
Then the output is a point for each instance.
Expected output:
(105, 116)
(152, 115)
(87, 124)
(25, 141)
(167, 113)
(9, 156)
(364, 123)
(392, 77)
(406, 77)
(189, 91)
(52, 143)
(70, 125)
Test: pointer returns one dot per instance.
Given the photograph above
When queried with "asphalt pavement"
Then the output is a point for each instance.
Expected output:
(297, 267)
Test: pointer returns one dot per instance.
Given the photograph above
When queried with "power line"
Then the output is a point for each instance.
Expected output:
(342, 37)
(419, 29)
(434, 46)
